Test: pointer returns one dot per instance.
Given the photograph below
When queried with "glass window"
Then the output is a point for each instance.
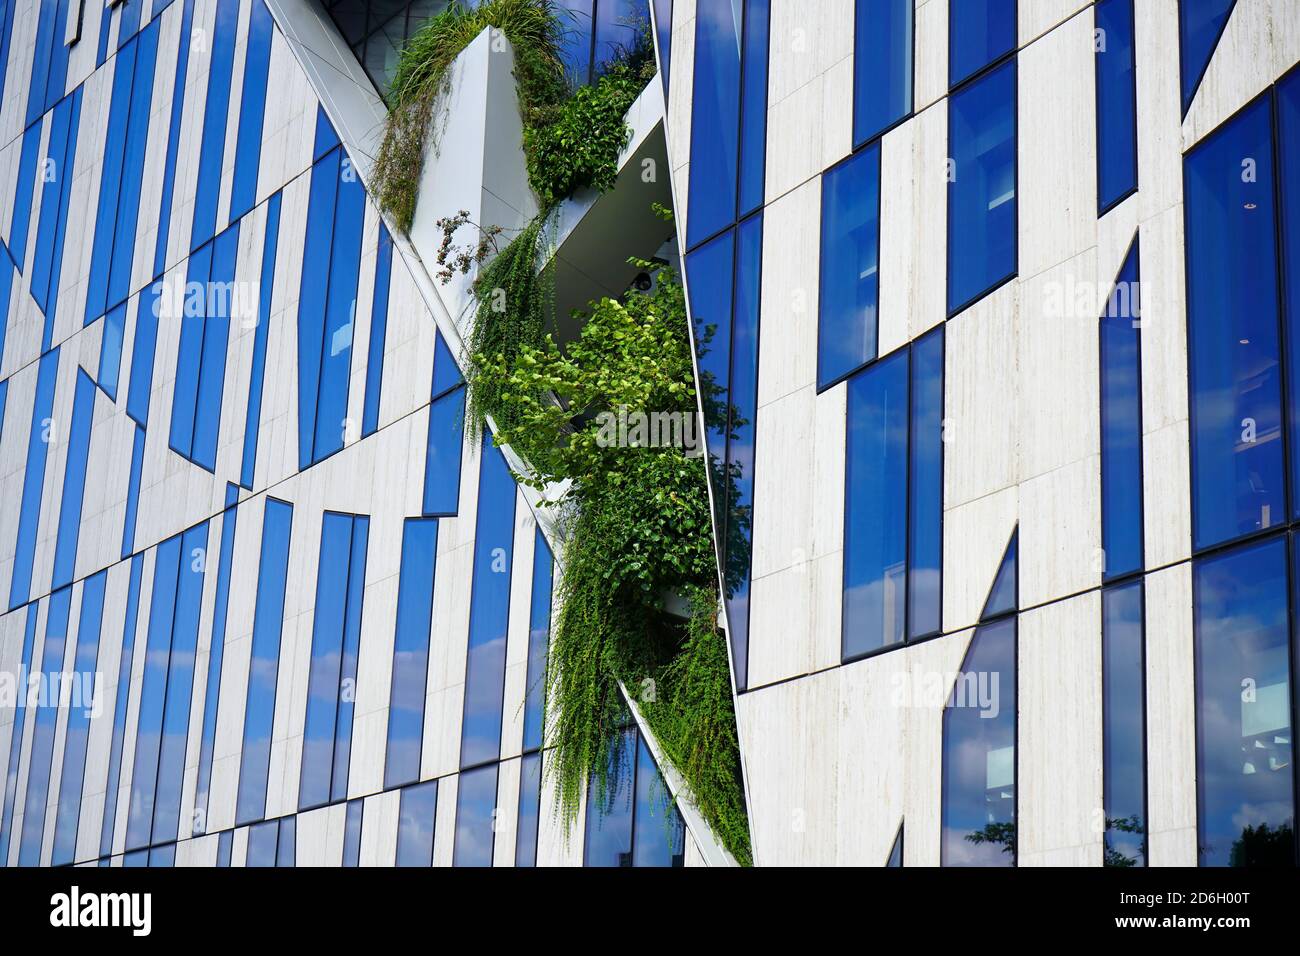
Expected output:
(875, 514)
(659, 835)
(120, 704)
(539, 636)
(225, 846)
(576, 23)
(978, 826)
(489, 608)
(1124, 724)
(882, 66)
(415, 818)
(77, 734)
(43, 730)
(753, 105)
(1236, 393)
(981, 186)
(1288, 181)
(715, 108)
(215, 121)
(896, 851)
(10, 795)
(257, 376)
(530, 806)
(1002, 596)
(711, 268)
(252, 111)
(1244, 751)
(850, 263)
(352, 833)
(1121, 425)
(1116, 103)
(378, 332)
(29, 511)
(925, 491)
(979, 31)
(443, 454)
(264, 662)
(618, 24)
(336, 623)
(609, 814)
(262, 840)
(286, 850)
(411, 651)
(74, 481)
(664, 35)
(1200, 23)
(476, 817)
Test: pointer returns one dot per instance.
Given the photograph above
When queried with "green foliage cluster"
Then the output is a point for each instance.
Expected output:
(636, 525)
(423, 70)
(571, 138)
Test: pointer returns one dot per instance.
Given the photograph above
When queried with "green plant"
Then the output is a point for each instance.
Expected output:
(581, 143)
(420, 83)
(635, 525)
(513, 299)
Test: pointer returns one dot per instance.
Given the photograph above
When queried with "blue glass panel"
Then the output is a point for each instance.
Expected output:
(121, 702)
(850, 266)
(262, 839)
(264, 664)
(715, 108)
(875, 515)
(925, 496)
(110, 183)
(1244, 748)
(740, 446)
(252, 111)
(215, 115)
(74, 481)
(978, 825)
(7, 271)
(10, 795)
(173, 144)
(133, 492)
(753, 107)
(336, 349)
(1238, 469)
(22, 214)
(313, 297)
(352, 833)
(286, 850)
(446, 373)
(6, 33)
(609, 815)
(378, 333)
(253, 419)
(576, 23)
(539, 636)
(1116, 103)
(55, 206)
(326, 138)
(530, 805)
(489, 608)
(1124, 725)
(137, 135)
(979, 31)
(1200, 23)
(659, 835)
(216, 655)
(142, 354)
(324, 685)
(29, 512)
(43, 728)
(189, 355)
(348, 663)
(476, 811)
(216, 338)
(85, 691)
(180, 684)
(415, 816)
(136, 858)
(617, 26)
(1003, 595)
(663, 16)
(225, 846)
(896, 851)
(411, 651)
(1288, 181)
(1121, 425)
(982, 186)
(882, 66)
(443, 454)
(110, 349)
(153, 690)
(711, 268)
(163, 856)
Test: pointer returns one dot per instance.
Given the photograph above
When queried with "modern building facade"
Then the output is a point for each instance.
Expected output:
(1008, 292)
